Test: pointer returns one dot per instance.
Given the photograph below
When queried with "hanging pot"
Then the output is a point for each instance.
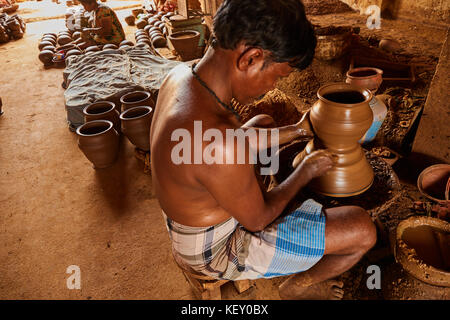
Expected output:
(99, 142)
(136, 123)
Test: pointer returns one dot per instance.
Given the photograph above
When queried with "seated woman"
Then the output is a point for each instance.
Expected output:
(105, 18)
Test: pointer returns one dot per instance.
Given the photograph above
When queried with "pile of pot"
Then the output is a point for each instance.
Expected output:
(154, 28)
(61, 43)
(11, 27)
(98, 137)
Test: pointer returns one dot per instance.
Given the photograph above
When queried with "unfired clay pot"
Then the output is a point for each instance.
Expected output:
(367, 77)
(136, 98)
(370, 78)
(185, 43)
(102, 110)
(340, 118)
(422, 248)
(136, 123)
(99, 142)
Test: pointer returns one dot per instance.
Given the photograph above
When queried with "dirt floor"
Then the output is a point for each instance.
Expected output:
(57, 211)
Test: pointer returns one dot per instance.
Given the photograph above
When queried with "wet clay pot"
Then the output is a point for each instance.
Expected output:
(367, 77)
(423, 249)
(136, 98)
(136, 123)
(185, 43)
(99, 142)
(340, 118)
(102, 110)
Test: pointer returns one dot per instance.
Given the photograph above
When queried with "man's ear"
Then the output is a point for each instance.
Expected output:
(250, 58)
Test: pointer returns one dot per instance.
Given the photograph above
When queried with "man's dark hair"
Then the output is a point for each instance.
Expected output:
(278, 26)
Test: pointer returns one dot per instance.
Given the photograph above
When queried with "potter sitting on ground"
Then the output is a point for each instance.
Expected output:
(105, 18)
(221, 220)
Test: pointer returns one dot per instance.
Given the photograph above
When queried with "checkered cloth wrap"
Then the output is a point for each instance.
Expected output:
(291, 244)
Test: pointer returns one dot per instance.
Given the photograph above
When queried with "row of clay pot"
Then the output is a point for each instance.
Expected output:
(11, 27)
(98, 138)
(155, 38)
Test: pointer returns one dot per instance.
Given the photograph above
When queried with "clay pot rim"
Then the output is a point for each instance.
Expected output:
(93, 123)
(124, 113)
(425, 172)
(112, 105)
(377, 70)
(122, 98)
(417, 221)
(194, 34)
(347, 87)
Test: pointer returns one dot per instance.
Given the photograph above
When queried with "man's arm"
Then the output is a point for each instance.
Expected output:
(236, 189)
(299, 130)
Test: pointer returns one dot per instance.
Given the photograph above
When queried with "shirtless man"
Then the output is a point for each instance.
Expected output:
(220, 219)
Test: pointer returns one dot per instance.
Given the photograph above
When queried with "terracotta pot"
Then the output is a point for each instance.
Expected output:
(159, 42)
(367, 78)
(136, 123)
(62, 40)
(50, 48)
(136, 98)
(46, 57)
(102, 110)
(185, 43)
(432, 182)
(43, 44)
(422, 249)
(73, 52)
(110, 46)
(126, 43)
(340, 118)
(99, 142)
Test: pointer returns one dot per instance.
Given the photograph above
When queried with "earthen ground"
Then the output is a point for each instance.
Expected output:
(57, 211)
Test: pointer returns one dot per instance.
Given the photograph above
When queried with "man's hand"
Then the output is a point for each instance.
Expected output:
(304, 126)
(318, 163)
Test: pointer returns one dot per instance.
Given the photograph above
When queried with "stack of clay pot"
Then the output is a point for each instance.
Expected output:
(153, 25)
(11, 27)
(47, 47)
(136, 117)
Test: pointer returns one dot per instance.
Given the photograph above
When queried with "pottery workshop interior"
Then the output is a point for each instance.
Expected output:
(99, 198)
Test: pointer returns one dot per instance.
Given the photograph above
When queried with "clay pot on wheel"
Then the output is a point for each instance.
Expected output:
(136, 98)
(99, 142)
(185, 43)
(102, 110)
(136, 123)
(340, 118)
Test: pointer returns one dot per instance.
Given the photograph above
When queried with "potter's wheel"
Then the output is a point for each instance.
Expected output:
(385, 188)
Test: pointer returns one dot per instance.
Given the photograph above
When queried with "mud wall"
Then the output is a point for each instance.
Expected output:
(432, 10)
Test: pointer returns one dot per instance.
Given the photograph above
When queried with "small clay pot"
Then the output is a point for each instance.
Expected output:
(160, 24)
(136, 98)
(152, 21)
(159, 42)
(186, 43)
(142, 36)
(73, 52)
(154, 29)
(110, 46)
(433, 180)
(141, 23)
(130, 20)
(155, 33)
(43, 44)
(92, 49)
(76, 35)
(99, 142)
(147, 27)
(54, 35)
(47, 38)
(50, 48)
(46, 57)
(135, 123)
(62, 40)
(125, 47)
(126, 43)
(367, 78)
(102, 110)
(143, 44)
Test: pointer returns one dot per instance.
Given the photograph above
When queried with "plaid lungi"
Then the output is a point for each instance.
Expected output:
(291, 244)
